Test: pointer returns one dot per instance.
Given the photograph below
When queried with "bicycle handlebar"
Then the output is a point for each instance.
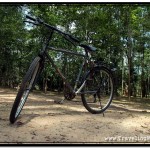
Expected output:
(39, 21)
(73, 38)
(31, 18)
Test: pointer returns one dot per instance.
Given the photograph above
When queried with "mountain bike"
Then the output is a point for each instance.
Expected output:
(96, 87)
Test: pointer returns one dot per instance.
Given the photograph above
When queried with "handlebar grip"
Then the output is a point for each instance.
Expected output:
(31, 18)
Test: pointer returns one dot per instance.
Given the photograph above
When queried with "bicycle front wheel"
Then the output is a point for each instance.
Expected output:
(25, 88)
(98, 90)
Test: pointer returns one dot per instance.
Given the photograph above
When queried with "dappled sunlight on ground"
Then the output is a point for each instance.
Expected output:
(44, 121)
(139, 106)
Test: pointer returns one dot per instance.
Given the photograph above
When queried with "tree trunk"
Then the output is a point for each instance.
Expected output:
(45, 83)
(142, 73)
(129, 30)
(122, 76)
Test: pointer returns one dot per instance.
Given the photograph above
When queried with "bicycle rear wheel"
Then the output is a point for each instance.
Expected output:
(98, 90)
(25, 88)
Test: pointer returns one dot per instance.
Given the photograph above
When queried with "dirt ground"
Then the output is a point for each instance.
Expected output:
(43, 121)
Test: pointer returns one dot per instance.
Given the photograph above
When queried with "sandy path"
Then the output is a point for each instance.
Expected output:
(43, 121)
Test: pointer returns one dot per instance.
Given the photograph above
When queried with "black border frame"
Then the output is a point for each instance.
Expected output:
(82, 144)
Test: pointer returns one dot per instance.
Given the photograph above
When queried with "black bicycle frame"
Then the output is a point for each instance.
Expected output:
(45, 53)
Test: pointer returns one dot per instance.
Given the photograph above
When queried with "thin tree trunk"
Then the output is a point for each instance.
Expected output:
(122, 76)
(142, 73)
(129, 30)
(45, 83)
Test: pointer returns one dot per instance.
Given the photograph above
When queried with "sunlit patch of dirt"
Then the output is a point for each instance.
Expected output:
(43, 121)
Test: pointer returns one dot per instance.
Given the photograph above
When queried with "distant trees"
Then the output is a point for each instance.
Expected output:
(12, 37)
(119, 31)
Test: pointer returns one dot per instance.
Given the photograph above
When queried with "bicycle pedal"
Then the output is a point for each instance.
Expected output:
(59, 102)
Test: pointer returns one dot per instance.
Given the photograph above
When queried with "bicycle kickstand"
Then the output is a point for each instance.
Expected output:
(103, 114)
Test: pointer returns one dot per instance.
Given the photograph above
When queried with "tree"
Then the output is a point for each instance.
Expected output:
(12, 39)
(120, 33)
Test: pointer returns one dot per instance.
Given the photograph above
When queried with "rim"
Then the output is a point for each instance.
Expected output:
(100, 90)
(26, 91)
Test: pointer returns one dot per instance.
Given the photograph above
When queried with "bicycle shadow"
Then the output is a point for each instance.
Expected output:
(57, 110)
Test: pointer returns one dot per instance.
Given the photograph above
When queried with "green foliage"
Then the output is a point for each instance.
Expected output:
(120, 33)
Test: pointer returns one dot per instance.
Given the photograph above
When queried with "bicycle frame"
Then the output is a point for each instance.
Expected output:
(45, 54)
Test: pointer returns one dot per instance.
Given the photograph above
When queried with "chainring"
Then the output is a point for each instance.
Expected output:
(69, 95)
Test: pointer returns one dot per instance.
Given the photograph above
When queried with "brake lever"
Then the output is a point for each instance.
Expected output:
(40, 21)
(35, 23)
(68, 39)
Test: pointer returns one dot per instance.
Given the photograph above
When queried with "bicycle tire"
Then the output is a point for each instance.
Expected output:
(19, 102)
(90, 102)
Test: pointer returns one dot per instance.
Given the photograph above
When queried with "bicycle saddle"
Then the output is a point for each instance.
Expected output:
(89, 48)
